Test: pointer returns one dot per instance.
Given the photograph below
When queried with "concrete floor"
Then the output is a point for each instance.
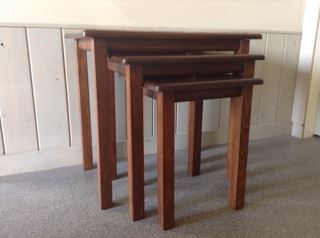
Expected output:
(282, 198)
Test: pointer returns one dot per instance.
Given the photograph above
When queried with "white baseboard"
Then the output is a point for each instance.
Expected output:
(39, 160)
(62, 157)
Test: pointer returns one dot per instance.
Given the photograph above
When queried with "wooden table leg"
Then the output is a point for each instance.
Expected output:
(194, 137)
(248, 72)
(106, 133)
(84, 108)
(134, 96)
(165, 147)
(239, 125)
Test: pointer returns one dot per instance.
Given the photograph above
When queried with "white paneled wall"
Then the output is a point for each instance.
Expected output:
(18, 120)
(49, 87)
(39, 93)
(1, 139)
(288, 78)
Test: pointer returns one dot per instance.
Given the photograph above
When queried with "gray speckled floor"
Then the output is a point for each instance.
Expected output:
(282, 199)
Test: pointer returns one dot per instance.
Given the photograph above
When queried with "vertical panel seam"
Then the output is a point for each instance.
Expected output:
(262, 73)
(1, 135)
(34, 101)
(175, 118)
(284, 51)
(152, 118)
(220, 113)
(154, 107)
(66, 85)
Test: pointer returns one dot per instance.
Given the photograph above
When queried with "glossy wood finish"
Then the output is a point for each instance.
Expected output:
(129, 42)
(106, 137)
(165, 161)
(197, 68)
(247, 72)
(116, 34)
(194, 136)
(239, 131)
(149, 42)
(122, 45)
(175, 65)
(184, 59)
(134, 97)
(239, 124)
(184, 96)
(238, 140)
(244, 47)
(84, 108)
(178, 86)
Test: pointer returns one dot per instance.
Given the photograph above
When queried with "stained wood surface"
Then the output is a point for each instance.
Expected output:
(167, 35)
(165, 159)
(183, 96)
(240, 90)
(132, 42)
(196, 68)
(185, 59)
(182, 85)
(180, 69)
(84, 109)
(134, 98)
(247, 72)
(105, 111)
(238, 141)
(194, 137)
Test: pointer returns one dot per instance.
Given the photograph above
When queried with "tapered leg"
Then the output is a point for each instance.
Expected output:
(134, 96)
(106, 134)
(248, 72)
(165, 147)
(84, 109)
(239, 125)
(194, 137)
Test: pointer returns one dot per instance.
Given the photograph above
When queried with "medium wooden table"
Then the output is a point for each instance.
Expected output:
(171, 89)
(107, 44)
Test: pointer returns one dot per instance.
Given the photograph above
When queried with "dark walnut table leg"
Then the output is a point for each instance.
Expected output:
(106, 135)
(194, 137)
(239, 125)
(84, 108)
(165, 160)
(248, 72)
(134, 97)
(238, 136)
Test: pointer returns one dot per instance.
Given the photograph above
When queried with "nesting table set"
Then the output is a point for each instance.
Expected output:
(169, 67)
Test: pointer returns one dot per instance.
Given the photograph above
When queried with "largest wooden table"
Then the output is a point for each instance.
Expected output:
(118, 43)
